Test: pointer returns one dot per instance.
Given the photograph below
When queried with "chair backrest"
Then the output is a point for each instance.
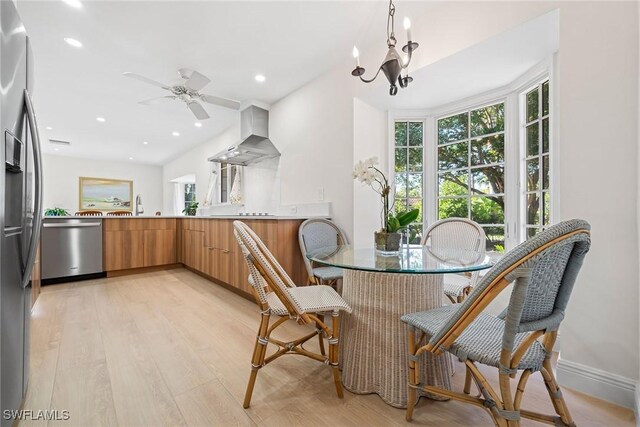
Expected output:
(89, 213)
(318, 233)
(544, 269)
(120, 213)
(456, 234)
(267, 275)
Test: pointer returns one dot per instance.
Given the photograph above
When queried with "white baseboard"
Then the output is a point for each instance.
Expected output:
(598, 383)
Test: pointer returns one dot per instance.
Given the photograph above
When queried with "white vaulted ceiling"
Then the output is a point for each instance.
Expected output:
(491, 64)
(290, 43)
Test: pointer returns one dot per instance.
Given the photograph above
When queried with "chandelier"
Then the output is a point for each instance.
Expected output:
(393, 63)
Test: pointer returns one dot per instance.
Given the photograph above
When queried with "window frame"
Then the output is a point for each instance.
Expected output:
(229, 181)
(524, 157)
(392, 163)
(513, 134)
(483, 102)
(184, 193)
(406, 116)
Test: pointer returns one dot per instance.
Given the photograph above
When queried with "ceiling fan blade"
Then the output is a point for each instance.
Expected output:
(196, 81)
(185, 73)
(223, 102)
(160, 100)
(198, 110)
(145, 79)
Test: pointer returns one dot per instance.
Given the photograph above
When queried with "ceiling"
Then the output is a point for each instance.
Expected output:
(488, 65)
(290, 43)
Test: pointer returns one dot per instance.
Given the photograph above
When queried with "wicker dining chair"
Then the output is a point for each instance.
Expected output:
(543, 270)
(120, 213)
(457, 233)
(318, 233)
(89, 212)
(276, 294)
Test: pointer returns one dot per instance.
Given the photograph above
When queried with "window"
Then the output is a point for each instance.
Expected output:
(189, 194)
(409, 137)
(489, 160)
(471, 169)
(537, 200)
(227, 176)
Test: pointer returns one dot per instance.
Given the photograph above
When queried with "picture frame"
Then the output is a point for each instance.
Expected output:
(105, 194)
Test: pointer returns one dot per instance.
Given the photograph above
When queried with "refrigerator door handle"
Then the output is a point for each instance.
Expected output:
(37, 214)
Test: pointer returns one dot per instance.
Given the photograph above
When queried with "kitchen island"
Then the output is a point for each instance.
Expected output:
(204, 245)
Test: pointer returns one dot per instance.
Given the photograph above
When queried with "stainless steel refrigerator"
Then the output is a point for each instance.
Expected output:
(20, 206)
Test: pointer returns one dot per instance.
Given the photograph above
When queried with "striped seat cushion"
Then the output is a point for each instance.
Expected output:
(455, 284)
(312, 299)
(481, 341)
(328, 273)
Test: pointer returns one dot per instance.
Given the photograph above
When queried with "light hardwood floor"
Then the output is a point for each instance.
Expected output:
(171, 348)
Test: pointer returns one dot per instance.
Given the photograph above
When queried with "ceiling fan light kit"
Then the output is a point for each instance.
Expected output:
(188, 92)
(393, 63)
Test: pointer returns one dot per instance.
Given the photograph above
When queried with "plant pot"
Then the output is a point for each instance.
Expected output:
(387, 243)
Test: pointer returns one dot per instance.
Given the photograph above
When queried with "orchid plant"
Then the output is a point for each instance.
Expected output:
(367, 172)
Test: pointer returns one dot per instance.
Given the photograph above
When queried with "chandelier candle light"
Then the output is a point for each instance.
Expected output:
(393, 63)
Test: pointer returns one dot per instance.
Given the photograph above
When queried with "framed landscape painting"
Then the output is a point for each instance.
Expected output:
(104, 194)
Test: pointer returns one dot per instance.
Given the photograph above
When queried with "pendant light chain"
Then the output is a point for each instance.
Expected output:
(391, 37)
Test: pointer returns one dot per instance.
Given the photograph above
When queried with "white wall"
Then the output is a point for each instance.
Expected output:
(598, 83)
(62, 173)
(261, 180)
(195, 162)
(313, 128)
(370, 133)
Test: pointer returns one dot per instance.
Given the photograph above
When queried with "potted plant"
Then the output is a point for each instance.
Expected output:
(55, 212)
(388, 238)
(190, 210)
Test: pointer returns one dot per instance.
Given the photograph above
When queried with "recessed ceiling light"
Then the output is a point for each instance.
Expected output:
(49, 128)
(73, 42)
(260, 78)
(130, 158)
(198, 124)
(175, 133)
(101, 119)
(56, 149)
(73, 3)
(145, 142)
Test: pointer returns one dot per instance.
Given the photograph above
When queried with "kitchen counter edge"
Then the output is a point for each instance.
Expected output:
(245, 217)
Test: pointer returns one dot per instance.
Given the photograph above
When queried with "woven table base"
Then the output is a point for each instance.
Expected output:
(373, 339)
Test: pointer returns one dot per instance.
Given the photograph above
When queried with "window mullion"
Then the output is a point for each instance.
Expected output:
(540, 166)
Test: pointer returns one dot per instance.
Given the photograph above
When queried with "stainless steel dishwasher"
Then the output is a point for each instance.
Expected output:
(71, 247)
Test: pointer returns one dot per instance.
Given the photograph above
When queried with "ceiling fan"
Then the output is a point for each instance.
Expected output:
(188, 92)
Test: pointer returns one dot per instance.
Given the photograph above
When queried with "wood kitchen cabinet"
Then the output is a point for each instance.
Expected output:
(138, 242)
(225, 262)
(193, 249)
(159, 247)
(204, 245)
(122, 249)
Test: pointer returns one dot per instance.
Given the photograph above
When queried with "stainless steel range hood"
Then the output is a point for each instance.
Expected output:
(254, 145)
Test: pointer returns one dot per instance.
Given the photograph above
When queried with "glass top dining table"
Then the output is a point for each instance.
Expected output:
(411, 259)
(380, 289)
